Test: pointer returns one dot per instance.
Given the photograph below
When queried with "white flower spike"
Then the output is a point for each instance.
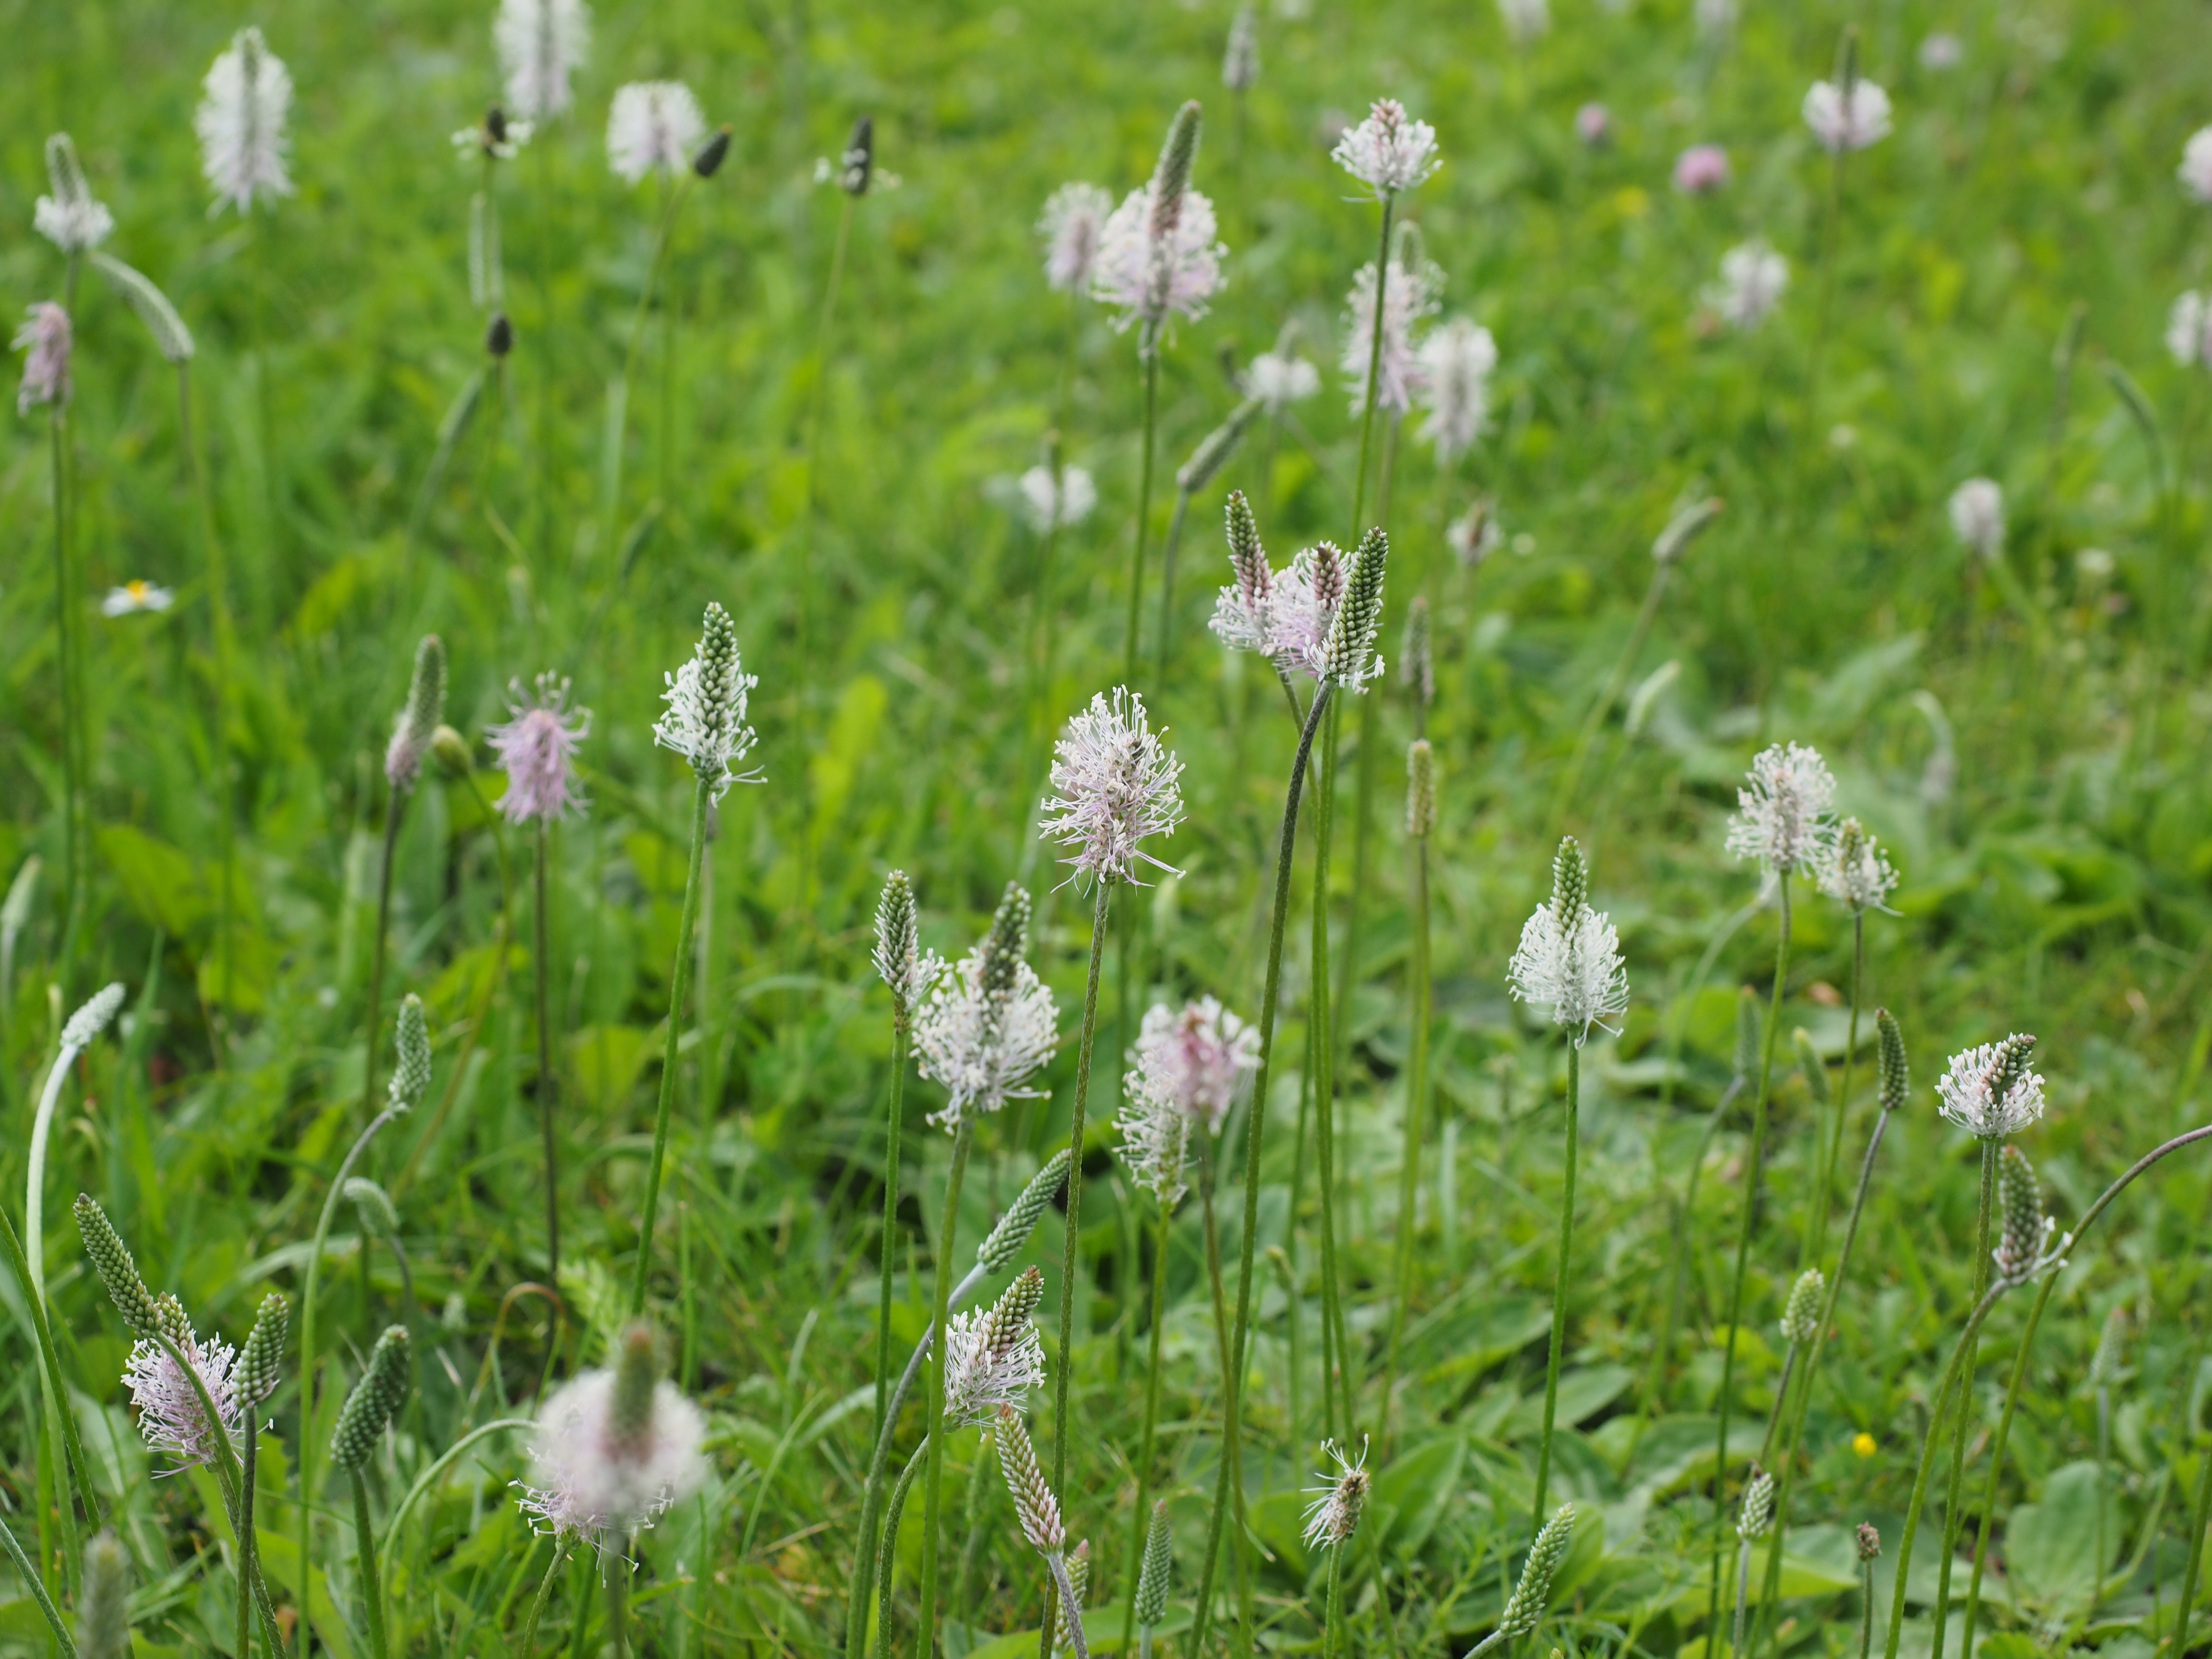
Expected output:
(1785, 818)
(241, 122)
(1569, 959)
(1115, 784)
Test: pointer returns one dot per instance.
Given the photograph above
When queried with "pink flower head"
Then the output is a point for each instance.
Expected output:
(1074, 215)
(1409, 300)
(537, 749)
(170, 1415)
(1303, 608)
(1196, 1057)
(1115, 785)
(46, 340)
(1594, 124)
(1149, 277)
(1388, 151)
(1701, 169)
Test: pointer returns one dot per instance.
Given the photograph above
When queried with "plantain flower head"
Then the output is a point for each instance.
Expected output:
(541, 45)
(1389, 151)
(1073, 220)
(45, 341)
(246, 101)
(706, 698)
(989, 1022)
(73, 219)
(614, 1449)
(537, 749)
(1115, 784)
(1846, 118)
(1785, 816)
(1409, 299)
(1569, 958)
(1991, 1091)
(652, 126)
(1333, 1515)
(1455, 363)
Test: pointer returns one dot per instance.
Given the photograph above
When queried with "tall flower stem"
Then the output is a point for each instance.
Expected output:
(1336, 1380)
(1070, 1261)
(527, 1648)
(1374, 361)
(308, 1437)
(1166, 642)
(548, 1084)
(894, 1135)
(1751, 1179)
(248, 1540)
(71, 691)
(1416, 1125)
(1151, 354)
(1230, 1477)
(679, 992)
(1952, 1519)
(223, 633)
(395, 814)
(963, 1140)
(1141, 1511)
(1844, 1097)
(802, 682)
(1559, 1281)
(1332, 1630)
(2018, 1377)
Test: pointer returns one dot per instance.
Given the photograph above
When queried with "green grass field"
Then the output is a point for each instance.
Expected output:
(1984, 292)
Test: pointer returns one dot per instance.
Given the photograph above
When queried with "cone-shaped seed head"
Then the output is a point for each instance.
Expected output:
(1800, 1316)
(1420, 788)
(712, 154)
(1159, 1568)
(410, 1076)
(1171, 178)
(117, 1271)
(2019, 1198)
(1534, 1593)
(1758, 1513)
(374, 1401)
(898, 950)
(1895, 1070)
(103, 1605)
(1215, 449)
(419, 721)
(1011, 1313)
(1005, 1241)
(1869, 1541)
(1349, 658)
(2013, 1056)
(261, 1367)
(1008, 941)
(1810, 1063)
(859, 158)
(498, 335)
(1034, 1504)
(1569, 881)
(171, 1321)
(1746, 1033)
(1420, 659)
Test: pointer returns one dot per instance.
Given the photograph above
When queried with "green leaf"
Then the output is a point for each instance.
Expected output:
(2051, 1545)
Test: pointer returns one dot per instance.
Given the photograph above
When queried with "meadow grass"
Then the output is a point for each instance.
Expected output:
(2026, 736)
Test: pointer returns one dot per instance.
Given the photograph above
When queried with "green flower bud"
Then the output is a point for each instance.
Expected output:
(375, 1401)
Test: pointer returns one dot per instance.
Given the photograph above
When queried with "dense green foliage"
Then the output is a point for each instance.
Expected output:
(2027, 736)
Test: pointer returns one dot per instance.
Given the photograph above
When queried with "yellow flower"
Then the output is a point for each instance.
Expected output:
(1863, 1443)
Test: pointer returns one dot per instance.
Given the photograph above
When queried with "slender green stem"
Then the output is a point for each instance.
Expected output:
(548, 1087)
(527, 1647)
(1743, 1593)
(1144, 519)
(1751, 1180)
(679, 993)
(219, 627)
(1559, 1282)
(802, 683)
(894, 1135)
(34, 1296)
(1416, 1125)
(65, 670)
(1168, 583)
(29, 1575)
(1056, 1564)
(1332, 1630)
(308, 1439)
(1336, 1381)
(2198, 1517)
(616, 1565)
(1866, 1608)
(1232, 1472)
(894, 1512)
(247, 1550)
(963, 1139)
(1141, 1513)
(1071, 1258)
(1952, 1518)
(395, 813)
(1843, 1095)
(1374, 363)
(371, 1595)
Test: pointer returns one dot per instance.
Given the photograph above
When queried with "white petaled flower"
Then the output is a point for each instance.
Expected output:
(44, 340)
(1388, 151)
(1047, 506)
(537, 749)
(2188, 330)
(246, 99)
(1155, 1139)
(1197, 1057)
(1785, 816)
(72, 218)
(1990, 1091)
(983, 1046)
(1409, 300)
(1073, 218)
(1525, 19)
(706, 698)
(1149, 280)
(1114, 783)
(1276, 380)
(1752, 278)
(1571, 964)
(1843, 124)
(134, 597)
(541, 45)
(2196, 169)
(983, 1370)
(653, 123)
(1333, 1515)
(1978, 518)
(1302, 608)
(592, 1480)
(1858, 874)
(170, 1415)
(1455, 363)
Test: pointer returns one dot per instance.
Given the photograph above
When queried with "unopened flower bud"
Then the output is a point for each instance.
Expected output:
(856, 167)
(1800, 1316)
(103, 1601)
(712, 154)
(1159, 1568)
(1758, 1513)
(1005, 1241)
(374, 1401)
(451, 751)
(410, 1076)
(498, 335)
(260, 1367)
(1420, 789)
(2020, 1240)
(1896, 1071)
(1534, 1593)
(111, 1260)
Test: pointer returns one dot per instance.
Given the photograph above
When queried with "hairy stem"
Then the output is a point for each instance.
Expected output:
(963, 1139)
(1559, 1283)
